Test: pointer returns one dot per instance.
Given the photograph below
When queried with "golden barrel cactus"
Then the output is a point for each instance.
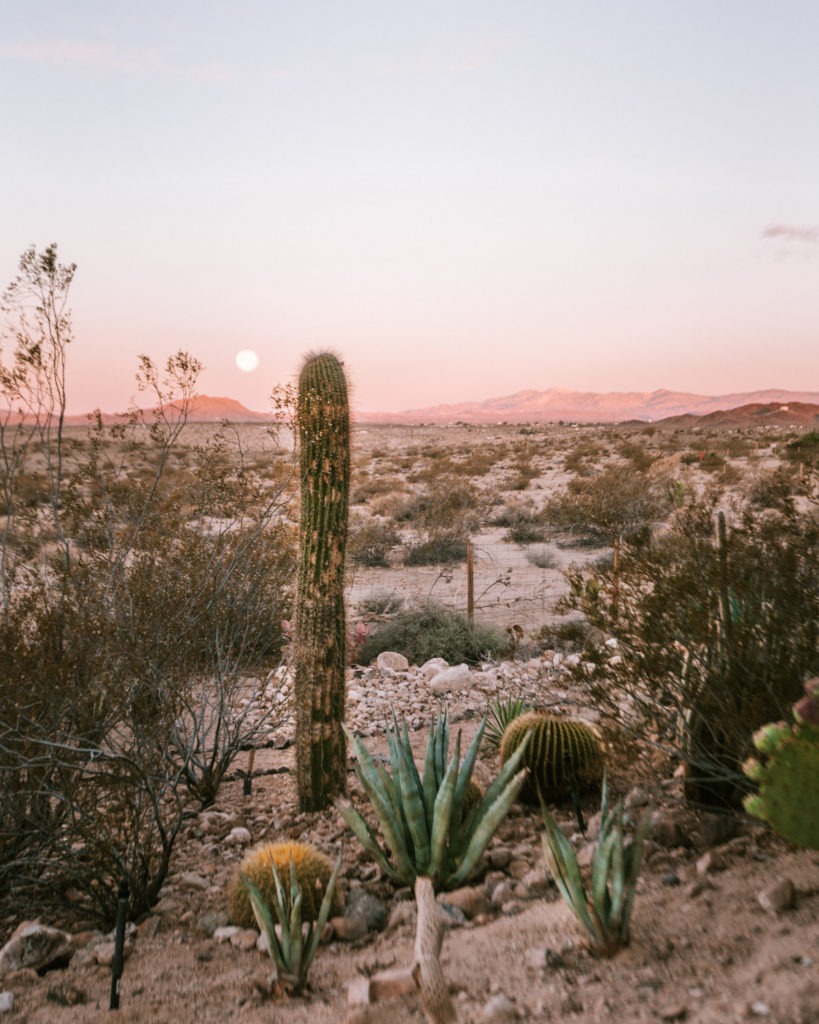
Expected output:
(562, 753)
(313, 870)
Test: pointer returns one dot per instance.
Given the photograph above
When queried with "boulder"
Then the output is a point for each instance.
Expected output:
(457, 678)
(36, 946)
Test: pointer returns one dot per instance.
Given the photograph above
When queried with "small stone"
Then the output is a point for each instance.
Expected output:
(499, 857)
(759, 1009)
(470, 899)
(455, 679)
(670, 878)
(390, 662)
(150, 926)
(209, 923)
(371, 908)
(6, 1002)
(518, 868)
(192, 880)
(226, 933)
(350, 927)
(402, 914)
(63, 993)
(710, 861)
(675, 1011)
(499, 1008)
(778, 896)
(238, 836)
(244, 939)
(636, 797)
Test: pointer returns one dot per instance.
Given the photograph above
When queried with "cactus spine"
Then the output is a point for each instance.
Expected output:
(563, 753)
(323, 428)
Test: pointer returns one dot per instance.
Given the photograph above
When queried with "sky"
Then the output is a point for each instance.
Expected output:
(461, 198)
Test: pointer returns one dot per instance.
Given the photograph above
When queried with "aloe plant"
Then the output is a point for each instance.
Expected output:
(605, 911)
(429, 828)
(291, 949)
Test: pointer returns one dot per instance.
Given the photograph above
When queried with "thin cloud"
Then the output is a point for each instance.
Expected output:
(791, 234)
(86, 54)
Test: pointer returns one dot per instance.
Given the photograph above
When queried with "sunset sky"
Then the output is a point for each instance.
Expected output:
(463, 199)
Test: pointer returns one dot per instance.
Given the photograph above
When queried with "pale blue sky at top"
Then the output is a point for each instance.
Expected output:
(462, 199)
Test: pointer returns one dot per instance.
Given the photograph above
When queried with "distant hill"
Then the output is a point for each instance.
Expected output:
(592, 407)
(204, 409)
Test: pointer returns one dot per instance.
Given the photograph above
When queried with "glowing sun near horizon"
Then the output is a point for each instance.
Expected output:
(247, 360)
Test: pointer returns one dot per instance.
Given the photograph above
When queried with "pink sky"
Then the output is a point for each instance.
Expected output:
(462, 200)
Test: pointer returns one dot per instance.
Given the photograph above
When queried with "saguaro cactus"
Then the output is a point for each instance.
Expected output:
(323, 426)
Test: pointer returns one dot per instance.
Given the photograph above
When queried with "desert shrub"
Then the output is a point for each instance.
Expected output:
(606, 506)
(370, 542)
(429, 630)
(543, 558)
(438, 547)
(138, 603)
(380, 602)
(438, 507)
(716, 631)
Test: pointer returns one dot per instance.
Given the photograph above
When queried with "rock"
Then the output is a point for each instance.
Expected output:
(499, 1008)
(709, 862)
(6, 1002)
(216, 823)
(36, 946)
(502, 893)
(759, 1009)
(402, 914)
(226, 933)
(432, 668)
(238, 836)
(457, 678)
(670, 878)
(667, 831)
(371, 908)
(210, 923)
(350, 927)
(518, 868)
(104, 952)
(537, 879)
(674, 1011)
(717, 828)
(636, 797)
(390, 662)
(472, 900)
(453, 916)
(778, 896)
(192, 880)
(245, 939)
(499, 857)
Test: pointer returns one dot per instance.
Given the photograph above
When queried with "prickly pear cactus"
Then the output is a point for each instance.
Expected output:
(788, 777)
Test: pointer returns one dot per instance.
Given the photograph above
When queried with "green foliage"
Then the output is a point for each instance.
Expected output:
(607, 505)
(429, 630)
(313, 871)
(291, 948)
(562, 753)
(425, 818)
(323, 423)
(438, 547)
(788, 779)
(370, 542)
(605, 910)
(500, 712)
(716, 631)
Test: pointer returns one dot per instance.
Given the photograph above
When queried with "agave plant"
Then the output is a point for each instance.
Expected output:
(429, 827)
(605, 912)
(291, 949)
(499, 714)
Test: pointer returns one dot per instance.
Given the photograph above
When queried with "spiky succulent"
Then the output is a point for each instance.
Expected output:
(312, 871)
(428, 825)
(564, 754)
(605, 911)
(291, 948)
(788, 778)
(499, 714)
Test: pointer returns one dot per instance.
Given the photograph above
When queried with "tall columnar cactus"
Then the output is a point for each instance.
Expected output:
(788, 780)
(323, 427)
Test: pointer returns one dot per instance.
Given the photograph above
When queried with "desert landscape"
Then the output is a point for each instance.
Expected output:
(725, 926)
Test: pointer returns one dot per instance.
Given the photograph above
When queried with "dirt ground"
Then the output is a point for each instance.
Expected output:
(703, 948)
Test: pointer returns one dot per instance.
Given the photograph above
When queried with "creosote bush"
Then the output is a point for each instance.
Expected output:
(138, 602)
(429, 630)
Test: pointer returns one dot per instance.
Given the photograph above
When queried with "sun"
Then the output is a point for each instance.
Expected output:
(247, 360)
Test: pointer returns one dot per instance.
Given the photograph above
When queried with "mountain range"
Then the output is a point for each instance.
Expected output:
(553, 405)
